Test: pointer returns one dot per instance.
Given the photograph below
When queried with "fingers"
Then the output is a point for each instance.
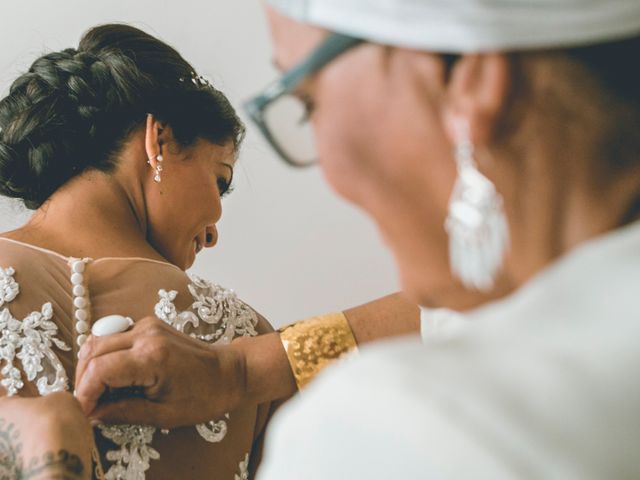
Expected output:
(134, 411)
(114, 370)
(97, 346)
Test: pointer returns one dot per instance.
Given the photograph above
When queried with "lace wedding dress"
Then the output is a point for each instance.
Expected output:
(38, 349)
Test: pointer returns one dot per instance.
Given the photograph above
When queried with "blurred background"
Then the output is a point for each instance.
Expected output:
(288, 245)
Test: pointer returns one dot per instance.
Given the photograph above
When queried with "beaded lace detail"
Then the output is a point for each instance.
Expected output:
(30, 341)
(243, 468)
(213, 307)
(9, 288)
(132, 460)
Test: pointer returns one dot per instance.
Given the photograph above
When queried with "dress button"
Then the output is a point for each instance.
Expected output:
(79, 291)
(81, 339)
(81, 314)
(80, 302)
(82, 327)
(77, 279)
(78, 266)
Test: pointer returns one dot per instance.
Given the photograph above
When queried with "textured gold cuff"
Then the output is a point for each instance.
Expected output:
(315, 343)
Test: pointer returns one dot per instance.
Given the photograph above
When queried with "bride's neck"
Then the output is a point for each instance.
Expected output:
(93, 215)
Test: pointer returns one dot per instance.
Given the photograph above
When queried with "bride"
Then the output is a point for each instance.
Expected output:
(124, 153)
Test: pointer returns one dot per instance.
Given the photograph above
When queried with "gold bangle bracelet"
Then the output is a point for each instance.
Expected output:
(315, 343)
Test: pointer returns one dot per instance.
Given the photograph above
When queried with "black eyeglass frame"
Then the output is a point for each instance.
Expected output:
(333, 46)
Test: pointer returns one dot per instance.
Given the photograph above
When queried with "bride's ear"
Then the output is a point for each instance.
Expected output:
(156, 135)
(478, 92)
(152, 137)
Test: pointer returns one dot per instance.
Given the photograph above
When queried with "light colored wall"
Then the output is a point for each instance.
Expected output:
(288, 245)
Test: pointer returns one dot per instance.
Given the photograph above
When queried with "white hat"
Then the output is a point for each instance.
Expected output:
(455, 26)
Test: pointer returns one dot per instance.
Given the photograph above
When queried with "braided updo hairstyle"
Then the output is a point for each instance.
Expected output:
(74, 109)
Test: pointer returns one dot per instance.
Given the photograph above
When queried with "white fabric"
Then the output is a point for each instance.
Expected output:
(441, 322)
(543, 385)
(472, 25)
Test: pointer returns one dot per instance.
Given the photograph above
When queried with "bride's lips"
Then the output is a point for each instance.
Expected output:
(208, 237)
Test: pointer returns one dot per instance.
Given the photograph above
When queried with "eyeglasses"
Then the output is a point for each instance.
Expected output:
(282, 115)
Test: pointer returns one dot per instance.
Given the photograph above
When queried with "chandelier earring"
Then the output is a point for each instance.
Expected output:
(476, 222)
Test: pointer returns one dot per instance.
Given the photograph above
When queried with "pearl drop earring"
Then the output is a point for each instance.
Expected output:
(158, 169)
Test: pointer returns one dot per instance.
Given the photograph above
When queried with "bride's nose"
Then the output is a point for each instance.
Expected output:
(211, 236)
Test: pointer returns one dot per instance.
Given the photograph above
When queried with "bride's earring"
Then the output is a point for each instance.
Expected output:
(158, 168)
(476, 223)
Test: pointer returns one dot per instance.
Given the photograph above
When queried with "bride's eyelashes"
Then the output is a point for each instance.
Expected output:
(228, 192)
(224, 187)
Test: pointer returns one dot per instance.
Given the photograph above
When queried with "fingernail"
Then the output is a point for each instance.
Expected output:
(95, 422)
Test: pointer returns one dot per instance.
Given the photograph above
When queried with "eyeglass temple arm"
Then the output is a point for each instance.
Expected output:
(334, 45)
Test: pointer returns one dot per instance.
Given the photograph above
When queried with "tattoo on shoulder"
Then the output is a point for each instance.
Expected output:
(61, 465)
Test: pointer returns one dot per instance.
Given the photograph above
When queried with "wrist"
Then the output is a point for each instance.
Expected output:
(227, 378)
(266, 373)
(313, 344)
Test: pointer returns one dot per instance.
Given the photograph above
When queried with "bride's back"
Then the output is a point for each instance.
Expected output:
(39, 298)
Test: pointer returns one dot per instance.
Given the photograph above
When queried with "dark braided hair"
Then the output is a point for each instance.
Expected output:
(74, 109)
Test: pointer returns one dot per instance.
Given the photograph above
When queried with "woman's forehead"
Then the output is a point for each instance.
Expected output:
(292, 40)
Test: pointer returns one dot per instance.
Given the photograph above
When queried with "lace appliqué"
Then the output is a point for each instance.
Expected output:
(31, 341)
(243, 468)
(166, 311)
(9, 288)
(213, 306)
(133, 459)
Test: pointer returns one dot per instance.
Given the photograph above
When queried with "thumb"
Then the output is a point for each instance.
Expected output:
(134, 411)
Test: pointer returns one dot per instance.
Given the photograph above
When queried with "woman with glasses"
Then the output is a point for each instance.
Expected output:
(496, 144)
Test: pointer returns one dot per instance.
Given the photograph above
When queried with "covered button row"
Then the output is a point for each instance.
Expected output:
(80, 301)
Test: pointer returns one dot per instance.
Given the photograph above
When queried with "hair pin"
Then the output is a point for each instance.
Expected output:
(197, 80)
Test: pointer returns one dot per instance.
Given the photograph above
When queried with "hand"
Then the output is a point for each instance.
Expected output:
(182, 381)
(44, 437)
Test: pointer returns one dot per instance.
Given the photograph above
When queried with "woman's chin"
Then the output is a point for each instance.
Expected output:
(192, 255)
(190, 260)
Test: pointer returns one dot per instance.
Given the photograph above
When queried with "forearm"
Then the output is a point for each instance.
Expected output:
(38, 443)
(389, 316)
(268, 373)
(51, 465)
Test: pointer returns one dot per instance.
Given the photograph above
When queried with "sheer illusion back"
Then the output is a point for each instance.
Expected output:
(46, 302)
